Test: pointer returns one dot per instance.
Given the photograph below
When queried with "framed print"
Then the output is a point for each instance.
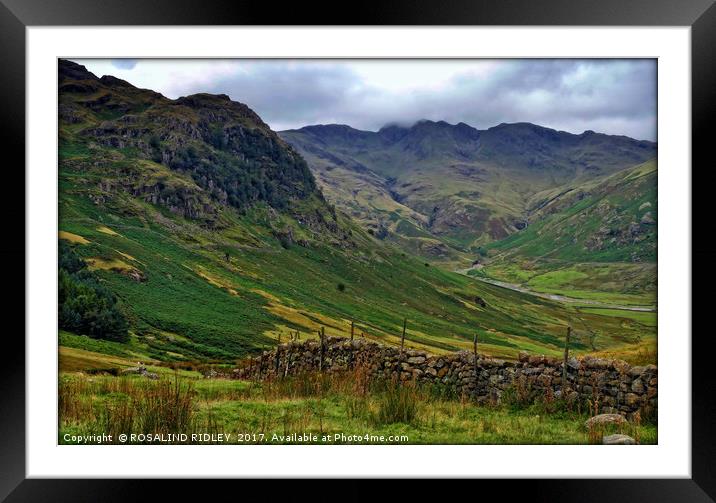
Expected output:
(413, 244)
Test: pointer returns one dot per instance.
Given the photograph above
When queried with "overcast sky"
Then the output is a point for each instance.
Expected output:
(610, 96)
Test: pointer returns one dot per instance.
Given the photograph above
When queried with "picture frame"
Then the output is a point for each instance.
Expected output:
(16, 16)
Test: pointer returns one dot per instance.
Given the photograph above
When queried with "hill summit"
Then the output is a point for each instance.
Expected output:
(221, 152)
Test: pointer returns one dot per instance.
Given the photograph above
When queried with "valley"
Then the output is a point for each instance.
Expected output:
(217, 239)
(552, 212)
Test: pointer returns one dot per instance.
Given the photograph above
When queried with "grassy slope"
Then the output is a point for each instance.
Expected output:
(582, 244)
(195, 305)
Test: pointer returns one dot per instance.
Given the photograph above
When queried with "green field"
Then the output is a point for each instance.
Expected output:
(615, 283)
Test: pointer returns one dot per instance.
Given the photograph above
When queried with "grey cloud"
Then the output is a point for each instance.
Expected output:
(616, 97)
(612, 96)
(289, 94)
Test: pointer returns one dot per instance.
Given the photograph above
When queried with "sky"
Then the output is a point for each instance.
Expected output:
(614, 96)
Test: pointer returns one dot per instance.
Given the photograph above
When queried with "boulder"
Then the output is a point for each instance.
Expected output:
(618, 439)
(604, 419)
(134, 370)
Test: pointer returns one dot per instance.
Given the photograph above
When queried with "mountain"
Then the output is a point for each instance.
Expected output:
(207, 232)
(444, 190)
(607, 219)
(587, 241)
(219, 152)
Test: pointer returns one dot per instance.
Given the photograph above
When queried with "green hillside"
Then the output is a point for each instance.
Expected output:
(608, 220)
(444, 190)
(593, 240)
(215, 239)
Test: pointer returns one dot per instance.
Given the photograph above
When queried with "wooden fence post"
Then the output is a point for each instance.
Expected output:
(474, 352)
(322, 335)
(353, 325)
(277, 357)
(402, 339)
(566, 356)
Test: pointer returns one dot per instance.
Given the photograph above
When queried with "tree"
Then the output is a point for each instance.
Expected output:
(85, 306)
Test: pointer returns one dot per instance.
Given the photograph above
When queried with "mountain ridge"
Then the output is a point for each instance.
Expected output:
(388, 130)
(451, 189)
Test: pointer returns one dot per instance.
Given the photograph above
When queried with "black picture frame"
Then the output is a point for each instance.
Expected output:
(16, 15)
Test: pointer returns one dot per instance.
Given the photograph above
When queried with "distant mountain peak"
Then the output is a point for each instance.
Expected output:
(329, 127)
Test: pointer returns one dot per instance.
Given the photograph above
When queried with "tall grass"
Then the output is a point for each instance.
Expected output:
(398, 403)
(131, 405)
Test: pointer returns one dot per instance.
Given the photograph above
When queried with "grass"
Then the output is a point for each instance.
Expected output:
(644, 318)
(114, 406)
(616, 283)
(330, 409)
(72, 238)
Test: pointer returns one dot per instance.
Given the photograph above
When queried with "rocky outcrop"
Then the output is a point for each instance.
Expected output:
(609, 386)
(140, 370)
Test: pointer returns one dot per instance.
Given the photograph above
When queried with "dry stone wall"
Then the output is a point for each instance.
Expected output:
(610, 386)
